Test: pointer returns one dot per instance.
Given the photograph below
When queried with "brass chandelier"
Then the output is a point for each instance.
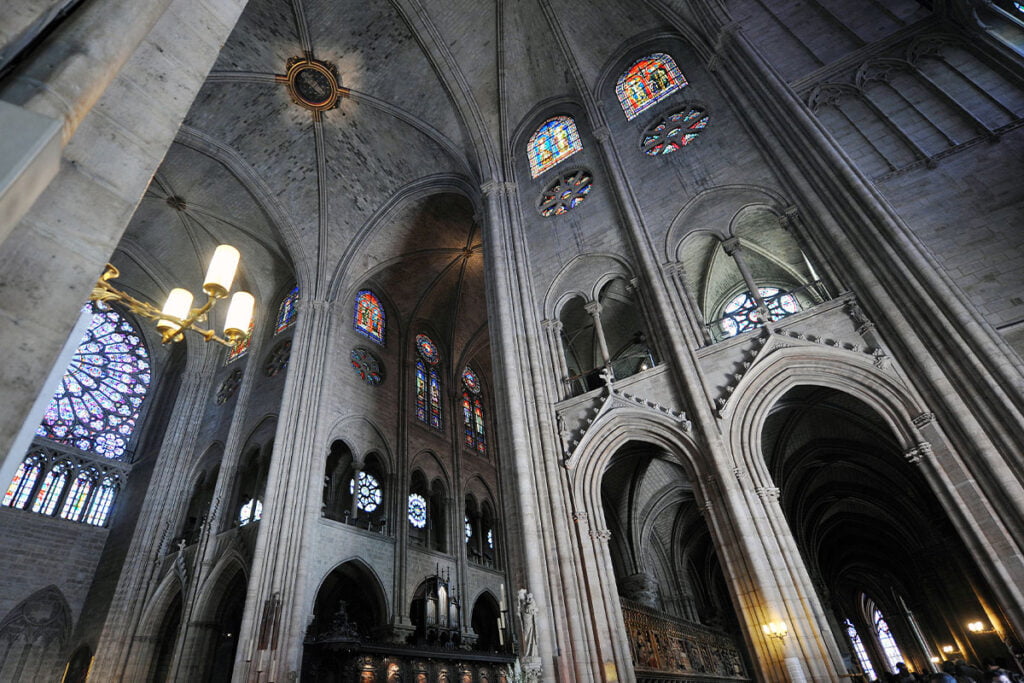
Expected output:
(177, 315)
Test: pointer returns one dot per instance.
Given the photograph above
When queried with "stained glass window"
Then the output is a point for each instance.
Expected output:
(417, 510)
(277, 359)
(555, 141)
(251, 511)
(860, 651)
(24, 481)
(369, 494)
(649, 80)
(741, 314)
(673, 132)
(473, 412)
(469, 529)
(287, 311)
(97, 403)
(428, 383)
(490, 539)
(74, 502)
(889, 647)
(565, 194)
(242, 348)
(102, 501)
(51, 488)
(1019, 6)
(427, 349)
(369, 318)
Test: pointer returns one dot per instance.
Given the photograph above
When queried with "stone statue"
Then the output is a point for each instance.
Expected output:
(528, 623)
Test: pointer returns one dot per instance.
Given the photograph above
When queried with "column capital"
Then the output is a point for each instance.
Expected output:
(551, 324)
(593, 308)
(601, 133)
(731, 245)
(498, 187)
(918, 453)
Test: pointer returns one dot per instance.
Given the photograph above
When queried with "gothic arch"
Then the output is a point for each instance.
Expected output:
(230, 565)
(785, 368)
(34, 635)
(583, 277)
(377, 593)
(362, 436)
(713, 209)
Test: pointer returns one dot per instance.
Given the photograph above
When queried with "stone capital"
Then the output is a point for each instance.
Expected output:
(918, 453)
(731, 245)
(593, 308)
(551, 324)
(923, 420)
(603, 535)
(498, 187)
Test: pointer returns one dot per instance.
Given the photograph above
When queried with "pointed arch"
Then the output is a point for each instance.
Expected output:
(36, 632)
(648, 81)
(553, 142)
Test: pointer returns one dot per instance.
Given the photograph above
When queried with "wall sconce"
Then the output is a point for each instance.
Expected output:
(775, 629)
(177, 315)
(979, 627)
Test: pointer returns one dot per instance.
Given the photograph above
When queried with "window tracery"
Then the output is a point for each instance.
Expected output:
(287, 311)
(368, 493)
(417, 510)
(674, 131)
(251, 511)
(648, 81)
(556, 140)
(96, 407)
(741, 314)
(860, 651)
(565, 193)
(57, 484)
(473, 412)
(369, 318)
(428, 383)
(889, 647)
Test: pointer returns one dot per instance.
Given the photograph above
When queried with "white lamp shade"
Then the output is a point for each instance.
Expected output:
(221, 272)
(239, 314)
(179, 303)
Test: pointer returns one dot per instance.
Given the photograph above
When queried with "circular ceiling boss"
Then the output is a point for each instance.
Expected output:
(313, 84)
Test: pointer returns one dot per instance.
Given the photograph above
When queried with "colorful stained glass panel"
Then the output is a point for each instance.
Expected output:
(555, 141)
(74, 502)
(103, 500)
(427, 349)
(96, 406)
(417, 510)
(368, 494)
(287, 311)
(649, 80)
(242, 348)
(24, 481)
(369, 318)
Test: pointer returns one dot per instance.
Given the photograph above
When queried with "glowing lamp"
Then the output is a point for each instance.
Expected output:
(178, 305)
(221, 272)
(236, 326)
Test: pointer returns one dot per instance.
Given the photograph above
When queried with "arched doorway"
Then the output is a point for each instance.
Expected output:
(226, 626)
(676, 609)
(889, 567)
(484, 621)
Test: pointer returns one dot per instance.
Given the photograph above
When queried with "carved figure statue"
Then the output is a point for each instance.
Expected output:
(528, 623)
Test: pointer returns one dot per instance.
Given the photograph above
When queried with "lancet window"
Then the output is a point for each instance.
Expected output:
(428, 382)
(287, 311)
(369, 318)
(648, 81)
(473, 412)
(556, 140)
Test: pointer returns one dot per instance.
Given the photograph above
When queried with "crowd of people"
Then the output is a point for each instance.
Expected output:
(957, 671)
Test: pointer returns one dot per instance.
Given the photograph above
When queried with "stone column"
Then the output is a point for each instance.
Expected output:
(278, 602)
(54, 254)
(353, 510)
(125, 646)
(553, 328)
(733, 248)
(594, 309)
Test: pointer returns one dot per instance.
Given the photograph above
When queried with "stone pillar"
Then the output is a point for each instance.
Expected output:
(126, 643)
(353, 510)
(278, 603)
(553, 328)
(733, 248)
(594, 309)
(54, 254)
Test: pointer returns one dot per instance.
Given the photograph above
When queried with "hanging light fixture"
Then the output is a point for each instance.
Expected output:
(177, 315)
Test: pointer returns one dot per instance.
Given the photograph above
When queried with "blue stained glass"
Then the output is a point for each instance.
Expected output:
(435, 400)
(417, 510)
(103, 500)
(555, 141)
(24, 481)
(288, 311)
(421, 391)
(426, 348)
(74, 503)
(109, 364)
